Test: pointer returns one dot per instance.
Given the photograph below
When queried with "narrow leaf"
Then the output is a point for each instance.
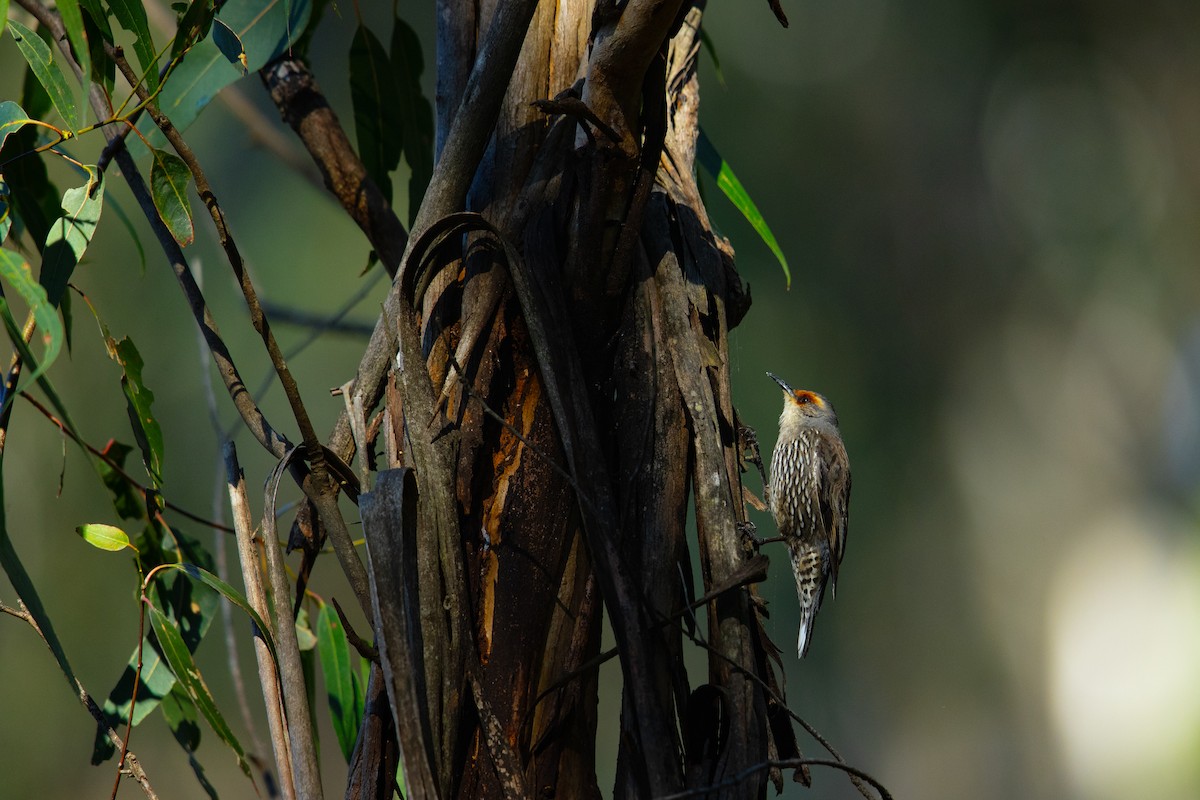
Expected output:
(105, 537)
(37, 55)
(15, 270)
(70, 236)
(345, 707)
(234, 596)
(131, 16)
(72, 19)
(124, 498)
(146, 430)
(416, 113)
(3, 15)
(378, 126)
(229, 44)
(727, 182)
(180, 716)
(169, 178)
(99, 35)
(192, 605)
(6, 217)
(193, 26)
(12, 119)
(189, 677)
(711, 49)
(266, 28)
(32, 197)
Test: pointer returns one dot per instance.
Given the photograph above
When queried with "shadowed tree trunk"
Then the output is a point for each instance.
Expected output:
(571, 310)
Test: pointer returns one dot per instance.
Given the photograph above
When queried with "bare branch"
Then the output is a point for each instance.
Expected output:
(117, 468)
(268, 678)
(131, 761)
(300, 102)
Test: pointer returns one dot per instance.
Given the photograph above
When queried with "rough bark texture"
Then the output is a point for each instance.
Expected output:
(573, 328)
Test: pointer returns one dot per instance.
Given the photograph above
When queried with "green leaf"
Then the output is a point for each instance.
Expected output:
(234, 596)
(189, 677)
(15, 270)
(131, 16)
(72, 19)
(180, 716)
(99, 34)
(378, 125)
(105, 537)
(3, 15)
(727, 182)
(32, 198)
(194, 25)
(229, 44)
(138, 401)
(265, 27)
(125, 499)
(193, 606)
(169, 178)
(341, 684)
(711, 49)
(305, 638)
(70, 236)
(6, 217)
(415, 112)
(37, 55)
(12, 119)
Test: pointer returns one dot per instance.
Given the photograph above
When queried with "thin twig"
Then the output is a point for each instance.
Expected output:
(252, 578)
(364, 648)
(754, 571)
(132, 764)
(117, 468)
(333, 319)
(321, 323)
(774, 695)
(291, 674)
(220, 551)
(258, 319)
(785, 763)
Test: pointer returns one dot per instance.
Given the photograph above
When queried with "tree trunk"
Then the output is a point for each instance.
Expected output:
(574, 330)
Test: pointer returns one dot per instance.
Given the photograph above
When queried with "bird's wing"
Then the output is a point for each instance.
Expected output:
(835, 499)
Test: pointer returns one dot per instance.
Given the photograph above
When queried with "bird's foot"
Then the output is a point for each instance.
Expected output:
(747, 530)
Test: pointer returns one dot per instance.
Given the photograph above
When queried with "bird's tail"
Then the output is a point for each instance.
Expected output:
(808, 564)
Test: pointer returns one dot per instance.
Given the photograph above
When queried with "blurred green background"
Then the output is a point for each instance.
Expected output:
(990, 213)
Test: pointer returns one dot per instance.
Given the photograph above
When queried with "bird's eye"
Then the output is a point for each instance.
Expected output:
(803, 399)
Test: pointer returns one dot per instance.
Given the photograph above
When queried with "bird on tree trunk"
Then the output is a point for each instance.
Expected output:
(810, 497)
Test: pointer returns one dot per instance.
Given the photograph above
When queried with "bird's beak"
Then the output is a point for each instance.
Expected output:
(780, 381)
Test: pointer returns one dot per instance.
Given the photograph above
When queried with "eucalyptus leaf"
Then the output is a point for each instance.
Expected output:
(131, 16)
(15, 270)
(169, 178)
(105, 537)
(378, 122)
(346, 695)
(72, 19)
(12, 119)
(416, 113)
(70, 236)
(188, 674)
(229, 44)
(266, 28)
(37, 54)
(728, 183)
